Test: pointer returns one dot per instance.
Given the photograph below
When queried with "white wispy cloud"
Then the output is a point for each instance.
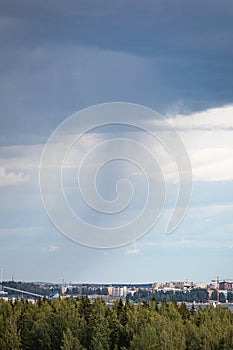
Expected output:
(19, 164)
(11, 178)
(52, 248)
(210, 153)
(190, 244)
(133, 250)
(208, 139)
(211, 119)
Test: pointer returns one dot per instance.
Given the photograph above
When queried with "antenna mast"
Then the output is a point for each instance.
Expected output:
(1, 272)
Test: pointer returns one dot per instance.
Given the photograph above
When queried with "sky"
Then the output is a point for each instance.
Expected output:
(175, 57)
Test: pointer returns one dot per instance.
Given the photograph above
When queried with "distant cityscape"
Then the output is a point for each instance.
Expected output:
(218, 290)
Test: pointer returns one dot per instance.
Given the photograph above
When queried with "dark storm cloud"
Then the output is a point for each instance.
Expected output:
(187, 43)
(148, 27)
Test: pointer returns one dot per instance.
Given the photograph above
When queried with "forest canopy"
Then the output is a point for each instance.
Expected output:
(67, 324)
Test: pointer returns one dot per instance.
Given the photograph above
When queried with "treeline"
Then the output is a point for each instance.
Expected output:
(197, 295)
(86, 290)
(49, 291)
(69, 324)
(30, 287)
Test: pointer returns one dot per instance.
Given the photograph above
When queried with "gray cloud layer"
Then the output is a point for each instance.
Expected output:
(60, 57)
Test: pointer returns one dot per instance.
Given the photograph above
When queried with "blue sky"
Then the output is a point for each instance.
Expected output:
(173, 56)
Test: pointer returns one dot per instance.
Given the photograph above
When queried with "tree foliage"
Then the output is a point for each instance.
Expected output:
(68, 324)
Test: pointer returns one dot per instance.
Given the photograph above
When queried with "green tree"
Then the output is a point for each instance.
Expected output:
(64, 315)
(41, 332)
(100, 338)
(114, 329)
(192, 337)
(146, 338)
(26, 313)
(11, 338)
(85, 327)
(183, 310)
(228, 341)
(230, 297)
(222, 298)
(154, 304)
(70, 342)
(214, 295)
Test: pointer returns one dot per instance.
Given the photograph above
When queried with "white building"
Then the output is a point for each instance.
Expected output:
(117, 291)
